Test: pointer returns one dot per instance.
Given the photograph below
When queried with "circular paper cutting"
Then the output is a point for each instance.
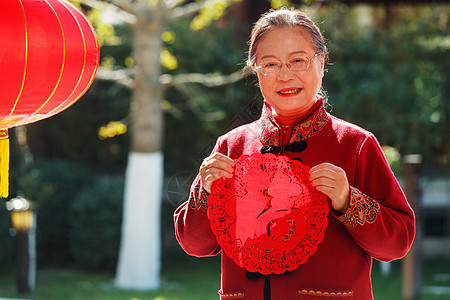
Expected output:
(268, 217)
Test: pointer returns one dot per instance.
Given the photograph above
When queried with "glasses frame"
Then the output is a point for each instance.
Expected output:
(288, 65)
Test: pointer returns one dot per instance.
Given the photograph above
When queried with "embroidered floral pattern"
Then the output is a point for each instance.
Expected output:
(362, 209)
(270, 134)
(307, 129)
(198, 198)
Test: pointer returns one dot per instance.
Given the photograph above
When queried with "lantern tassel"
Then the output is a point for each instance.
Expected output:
(4, 163)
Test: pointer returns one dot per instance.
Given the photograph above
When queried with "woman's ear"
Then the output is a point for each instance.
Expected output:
(322, 64)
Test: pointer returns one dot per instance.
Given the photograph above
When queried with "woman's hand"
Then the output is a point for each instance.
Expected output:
(214, 167)
(332, 181)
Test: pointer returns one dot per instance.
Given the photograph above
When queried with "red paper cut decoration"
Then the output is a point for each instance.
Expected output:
(268, 217)
(49, 55)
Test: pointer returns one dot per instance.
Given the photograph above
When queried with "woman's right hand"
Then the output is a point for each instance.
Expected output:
(214, 167)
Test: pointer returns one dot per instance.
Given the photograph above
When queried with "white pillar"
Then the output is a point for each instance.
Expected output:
(140, 250)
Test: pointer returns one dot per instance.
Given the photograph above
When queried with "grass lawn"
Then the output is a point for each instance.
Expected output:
(188, 278)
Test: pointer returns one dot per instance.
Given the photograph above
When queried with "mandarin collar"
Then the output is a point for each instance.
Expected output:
(303, 129)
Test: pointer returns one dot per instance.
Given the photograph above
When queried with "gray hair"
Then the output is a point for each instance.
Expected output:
(285, 18)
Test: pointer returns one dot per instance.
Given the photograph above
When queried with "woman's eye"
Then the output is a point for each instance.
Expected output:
(298, 60)
(269, 64)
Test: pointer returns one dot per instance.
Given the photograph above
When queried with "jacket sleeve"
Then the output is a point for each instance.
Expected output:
(378, 217)
(192, 227)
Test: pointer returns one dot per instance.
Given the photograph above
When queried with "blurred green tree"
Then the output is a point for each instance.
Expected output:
(392, 80)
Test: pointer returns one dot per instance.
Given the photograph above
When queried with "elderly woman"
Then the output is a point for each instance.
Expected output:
(369, 216)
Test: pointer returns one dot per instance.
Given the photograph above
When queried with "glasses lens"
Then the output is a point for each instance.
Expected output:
(299, 64)
(270, 67)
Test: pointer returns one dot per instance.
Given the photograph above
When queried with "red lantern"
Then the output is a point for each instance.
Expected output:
(48, 59)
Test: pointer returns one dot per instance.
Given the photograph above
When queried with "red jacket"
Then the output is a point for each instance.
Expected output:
(379, 223)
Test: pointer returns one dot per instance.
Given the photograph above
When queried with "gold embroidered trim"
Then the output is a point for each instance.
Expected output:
(361, 209)
(270, 134)
(232, 295)
(198, 198)
(309, 292)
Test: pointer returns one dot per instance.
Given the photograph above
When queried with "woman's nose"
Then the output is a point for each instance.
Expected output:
(285, 73)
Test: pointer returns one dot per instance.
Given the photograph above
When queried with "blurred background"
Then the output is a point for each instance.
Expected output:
(388, 72)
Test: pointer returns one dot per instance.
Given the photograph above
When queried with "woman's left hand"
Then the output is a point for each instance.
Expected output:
(332, 181)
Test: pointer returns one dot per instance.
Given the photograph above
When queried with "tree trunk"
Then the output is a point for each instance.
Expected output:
(140, 251)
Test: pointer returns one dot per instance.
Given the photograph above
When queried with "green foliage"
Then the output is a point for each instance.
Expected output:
(215, 49)
(76, 215)
(392, 81)
(121, 50)
(211, 12)
(95, 222)
(52, 185)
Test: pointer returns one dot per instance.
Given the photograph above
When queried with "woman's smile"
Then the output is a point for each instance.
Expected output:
(289, 91)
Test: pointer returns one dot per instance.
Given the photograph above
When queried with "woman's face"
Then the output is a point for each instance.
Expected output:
(289, 92)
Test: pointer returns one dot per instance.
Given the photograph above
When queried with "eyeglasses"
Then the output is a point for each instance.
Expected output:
(272, 67)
